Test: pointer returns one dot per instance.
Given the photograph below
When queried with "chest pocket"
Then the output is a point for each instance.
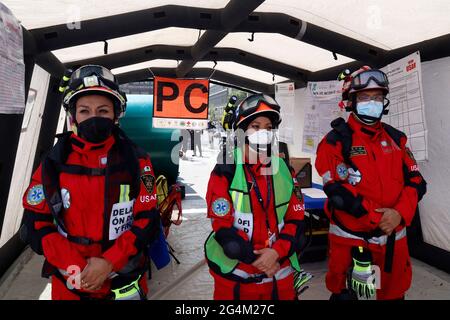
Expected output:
(364, 160)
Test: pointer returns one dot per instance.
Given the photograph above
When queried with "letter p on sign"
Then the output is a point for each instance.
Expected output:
(180, 103)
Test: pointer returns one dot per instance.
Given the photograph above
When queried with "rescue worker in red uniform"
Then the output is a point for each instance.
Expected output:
(91, 206)
(373, 185)
(256, 209)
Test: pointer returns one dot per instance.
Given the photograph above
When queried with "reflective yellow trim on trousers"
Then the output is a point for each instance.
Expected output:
(127, 291)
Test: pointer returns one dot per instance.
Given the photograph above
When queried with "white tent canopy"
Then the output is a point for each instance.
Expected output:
(384, 24)
(43, 13)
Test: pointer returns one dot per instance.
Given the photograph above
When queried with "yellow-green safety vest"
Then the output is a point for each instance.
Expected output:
(283, 188)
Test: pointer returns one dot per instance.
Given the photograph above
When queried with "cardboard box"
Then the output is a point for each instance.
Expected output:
(303, 171)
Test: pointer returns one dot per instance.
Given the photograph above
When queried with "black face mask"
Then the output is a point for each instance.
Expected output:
(95, 129)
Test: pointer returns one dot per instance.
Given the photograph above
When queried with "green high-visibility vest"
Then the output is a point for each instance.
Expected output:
(243, 216)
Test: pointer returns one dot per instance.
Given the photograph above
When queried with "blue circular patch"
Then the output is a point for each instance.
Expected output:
(35, 195)
(221, 207)
(342, 171)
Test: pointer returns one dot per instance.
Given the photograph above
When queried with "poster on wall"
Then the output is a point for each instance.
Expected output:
(285, 96)
(406, 108)
(12, 67)
(322, 107)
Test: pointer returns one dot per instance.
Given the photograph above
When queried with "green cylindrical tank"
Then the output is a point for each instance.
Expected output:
(162, 144)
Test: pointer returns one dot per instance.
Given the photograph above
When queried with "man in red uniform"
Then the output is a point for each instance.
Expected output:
(266, 239)
(373, 186)
(91, 206)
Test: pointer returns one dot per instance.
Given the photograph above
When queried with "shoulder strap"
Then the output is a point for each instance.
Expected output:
(343, 133)
(50, 181)
(225, 170)
(395, 134)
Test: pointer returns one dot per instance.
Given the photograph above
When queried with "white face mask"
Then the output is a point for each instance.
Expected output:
(260, 140)
(370, 108)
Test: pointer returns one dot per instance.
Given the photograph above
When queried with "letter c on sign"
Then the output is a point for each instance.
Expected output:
(187, 98)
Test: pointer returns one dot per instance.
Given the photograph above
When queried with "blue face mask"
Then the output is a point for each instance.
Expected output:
(370, 111)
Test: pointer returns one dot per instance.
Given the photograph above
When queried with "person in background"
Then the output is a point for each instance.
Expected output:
(198, 142)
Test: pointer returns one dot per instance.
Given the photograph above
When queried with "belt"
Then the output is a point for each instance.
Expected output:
(381, 240)
(281, 274)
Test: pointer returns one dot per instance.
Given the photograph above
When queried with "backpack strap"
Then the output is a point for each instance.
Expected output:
(395, 134)
(342, 133)
(225, 170)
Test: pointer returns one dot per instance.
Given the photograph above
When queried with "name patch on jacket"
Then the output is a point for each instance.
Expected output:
(121, 219)
(358, 151)
(244, 222)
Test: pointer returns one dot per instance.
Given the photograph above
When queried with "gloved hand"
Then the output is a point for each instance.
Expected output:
(234, 246)
(300, 280)
(362, 280)
(343, 199)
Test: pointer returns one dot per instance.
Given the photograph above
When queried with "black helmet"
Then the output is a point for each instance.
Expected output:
(254, 106)
(93, 79)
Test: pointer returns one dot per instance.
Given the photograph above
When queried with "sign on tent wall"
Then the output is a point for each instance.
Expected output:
(322, 107)
(285, 96)
(406, 108)
(12, 67)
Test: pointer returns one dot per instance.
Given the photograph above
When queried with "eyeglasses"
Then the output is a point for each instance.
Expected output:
(366, 98)
(362, 80)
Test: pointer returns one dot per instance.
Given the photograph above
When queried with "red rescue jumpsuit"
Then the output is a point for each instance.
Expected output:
(381, 162)
(218, 187)
(84, 216)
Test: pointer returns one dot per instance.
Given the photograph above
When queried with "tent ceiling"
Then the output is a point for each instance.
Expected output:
(218, 75)
(383, 23)
(43, 13)
(242, 71)
(225, 66)
(286, 50)
(157, 63)
(167, 36)
(294, 39)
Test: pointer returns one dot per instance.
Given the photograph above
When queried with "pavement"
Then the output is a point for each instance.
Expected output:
(190, 280)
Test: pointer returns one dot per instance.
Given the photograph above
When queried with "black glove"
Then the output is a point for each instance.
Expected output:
(343, 199)
(234, 246)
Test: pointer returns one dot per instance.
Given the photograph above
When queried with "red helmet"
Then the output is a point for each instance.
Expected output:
(365, 78)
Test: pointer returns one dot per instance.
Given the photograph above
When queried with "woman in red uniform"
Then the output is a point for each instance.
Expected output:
(91, 206)
(256, 209)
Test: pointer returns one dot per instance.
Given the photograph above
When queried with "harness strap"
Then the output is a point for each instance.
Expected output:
(82, 170)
